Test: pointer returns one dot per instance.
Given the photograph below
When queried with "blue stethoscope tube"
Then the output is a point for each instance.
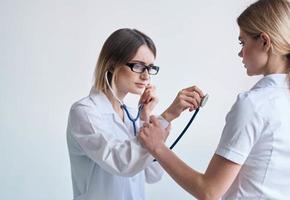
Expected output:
(124, 107)
(185, 129)
(133, 120)
(203, 102)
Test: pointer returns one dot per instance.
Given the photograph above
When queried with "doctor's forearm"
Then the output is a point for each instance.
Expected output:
(169, 116)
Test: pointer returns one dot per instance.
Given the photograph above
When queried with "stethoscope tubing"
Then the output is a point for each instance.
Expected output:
(184, 130)
(133, 120)
(124, 107)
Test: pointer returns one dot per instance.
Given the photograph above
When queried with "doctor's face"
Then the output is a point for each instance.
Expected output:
(253, 54)
(131, 81)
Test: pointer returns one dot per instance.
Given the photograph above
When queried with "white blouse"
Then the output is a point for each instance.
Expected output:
(257, 136)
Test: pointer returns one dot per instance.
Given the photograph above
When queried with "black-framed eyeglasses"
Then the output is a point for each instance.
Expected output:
(140, 68)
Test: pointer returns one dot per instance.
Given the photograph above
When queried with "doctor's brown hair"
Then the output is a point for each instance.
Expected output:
(120, 47)
(273, 18)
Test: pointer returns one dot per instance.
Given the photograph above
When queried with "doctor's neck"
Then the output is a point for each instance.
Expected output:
(113, 99)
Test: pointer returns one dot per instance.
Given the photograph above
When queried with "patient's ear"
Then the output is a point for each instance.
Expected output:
(266, 40)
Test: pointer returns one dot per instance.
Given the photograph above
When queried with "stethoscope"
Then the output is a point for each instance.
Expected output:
(202, 104)
(124, 107)
(140, 107)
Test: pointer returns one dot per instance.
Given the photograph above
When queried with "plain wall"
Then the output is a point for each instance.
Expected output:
(48, 51)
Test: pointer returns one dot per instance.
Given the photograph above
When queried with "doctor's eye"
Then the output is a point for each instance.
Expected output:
(137, 67)
(140, 68)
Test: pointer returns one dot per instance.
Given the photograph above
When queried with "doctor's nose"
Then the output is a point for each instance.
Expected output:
(145, 75)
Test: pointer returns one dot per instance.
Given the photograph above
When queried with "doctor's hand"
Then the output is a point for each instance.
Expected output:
(188, 98)
(149, 100)
(152, 135)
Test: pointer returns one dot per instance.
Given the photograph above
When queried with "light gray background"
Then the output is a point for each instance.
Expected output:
(48, 54)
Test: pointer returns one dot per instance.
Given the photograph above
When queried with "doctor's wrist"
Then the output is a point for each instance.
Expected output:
(168, 116)
(145, 115)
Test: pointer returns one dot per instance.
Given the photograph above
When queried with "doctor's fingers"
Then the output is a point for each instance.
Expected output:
(191, 99)
(190, 103)
(149, 95)
(194, 89)
(150, 88)
(193, 95)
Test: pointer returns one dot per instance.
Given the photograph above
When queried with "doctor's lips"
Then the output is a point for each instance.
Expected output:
(140, 85)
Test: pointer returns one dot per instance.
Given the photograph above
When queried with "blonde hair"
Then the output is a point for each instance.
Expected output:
(120, 47)
(273, 18)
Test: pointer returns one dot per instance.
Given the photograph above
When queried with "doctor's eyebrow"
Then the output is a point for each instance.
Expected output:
(141, 62)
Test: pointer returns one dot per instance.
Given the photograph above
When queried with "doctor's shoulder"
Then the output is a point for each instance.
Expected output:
(85, 106)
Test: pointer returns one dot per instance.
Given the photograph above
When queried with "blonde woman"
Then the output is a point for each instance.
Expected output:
(107, 161)
(252, 160)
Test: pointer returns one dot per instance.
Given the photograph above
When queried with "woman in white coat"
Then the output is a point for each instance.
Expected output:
(252, 159)
(107, 161)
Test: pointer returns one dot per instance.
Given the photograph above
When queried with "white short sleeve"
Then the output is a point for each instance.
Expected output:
(241, 132)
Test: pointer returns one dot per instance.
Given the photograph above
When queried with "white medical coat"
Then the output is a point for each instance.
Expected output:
(107, 161)
(257, 136)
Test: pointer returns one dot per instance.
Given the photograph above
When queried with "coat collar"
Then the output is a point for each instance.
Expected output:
(274, 81)
(101, 101)
(104, 107)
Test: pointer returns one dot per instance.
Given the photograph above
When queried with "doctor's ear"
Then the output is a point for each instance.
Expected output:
(264, 37)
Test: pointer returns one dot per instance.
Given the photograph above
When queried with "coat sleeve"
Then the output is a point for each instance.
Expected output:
(154, 172)
(123, 158)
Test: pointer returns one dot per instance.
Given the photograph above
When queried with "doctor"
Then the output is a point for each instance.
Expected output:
(107, 161)
(252, 159)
